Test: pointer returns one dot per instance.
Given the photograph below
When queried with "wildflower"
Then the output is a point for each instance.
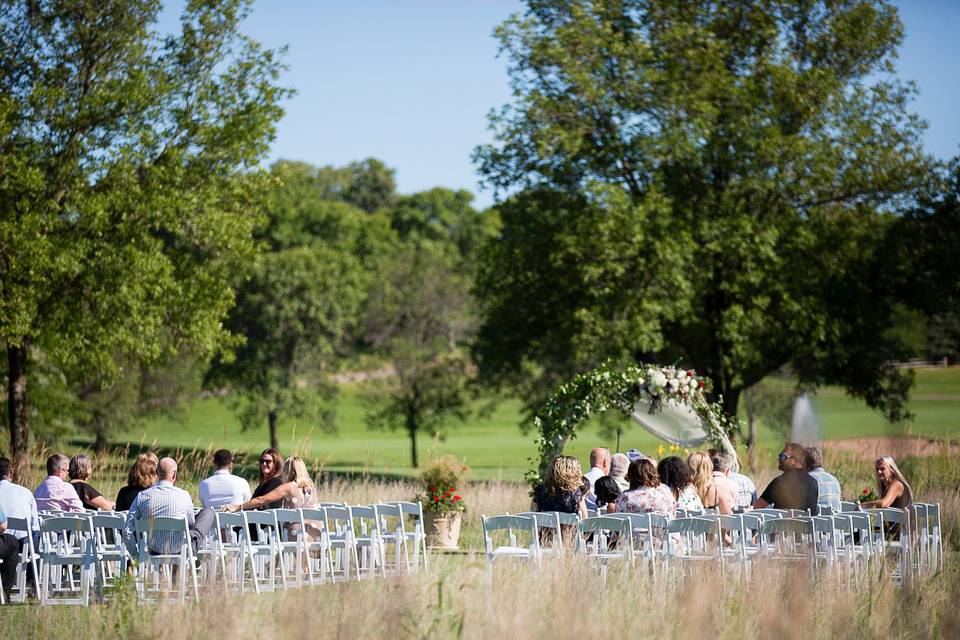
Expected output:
(455, 498)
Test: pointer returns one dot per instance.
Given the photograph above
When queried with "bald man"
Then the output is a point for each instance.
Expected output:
(166, 500)
(599, 467)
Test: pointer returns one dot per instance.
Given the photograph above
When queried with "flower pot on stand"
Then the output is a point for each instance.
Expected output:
(443, 529)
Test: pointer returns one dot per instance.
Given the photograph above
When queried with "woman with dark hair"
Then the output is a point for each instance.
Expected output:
(562, 488)
(142, 474)
(607, 490)
(271, 477)
(644, 495)
(676, 475)
(80, 471)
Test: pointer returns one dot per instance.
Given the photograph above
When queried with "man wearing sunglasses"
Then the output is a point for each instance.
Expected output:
(794, 488)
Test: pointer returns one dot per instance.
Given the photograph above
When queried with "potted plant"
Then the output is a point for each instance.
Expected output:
(442, 505)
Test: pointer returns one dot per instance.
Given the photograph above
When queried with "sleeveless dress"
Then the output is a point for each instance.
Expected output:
(303, 499)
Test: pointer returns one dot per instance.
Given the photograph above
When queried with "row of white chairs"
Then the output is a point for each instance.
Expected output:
(846, 544)
(75, 556)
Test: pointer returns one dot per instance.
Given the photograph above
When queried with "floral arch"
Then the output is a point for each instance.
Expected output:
(640, 392)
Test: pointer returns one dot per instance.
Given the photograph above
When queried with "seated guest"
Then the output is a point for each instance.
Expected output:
(607, 490)
(17, 501)
(675, 474)
(618, 470)
(828, 487)
(271, 476)
(560, 490)
(726, 489)
(892, 486)
(9, 556)
(794, 488)
(746, 490)
(142, 474)
(296, 491)
(80, 470)
(55, 493)
(702, 478)
(166, 500)
(599, 467)
(223, 488)
(645, 495)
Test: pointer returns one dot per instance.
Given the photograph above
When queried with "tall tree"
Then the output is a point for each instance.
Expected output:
(418, 316)
(293, 313)
(123, 155)
(766, 142)
(296, 314)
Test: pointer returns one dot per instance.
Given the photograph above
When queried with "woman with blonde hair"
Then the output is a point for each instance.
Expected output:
(142, 475)
(892, 486)
(562, 488)
(702, 480)
(296, 491)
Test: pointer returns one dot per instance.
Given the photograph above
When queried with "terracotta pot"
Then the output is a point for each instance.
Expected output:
(443, 529)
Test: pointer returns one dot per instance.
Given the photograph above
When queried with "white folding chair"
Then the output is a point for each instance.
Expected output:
(369, 545)
(29, 562)
(393, 534)
(607, 539)
(530, 552)
(847, 507)
(265, 550)
(67, 556)
(165, 555)
(343, 542)
(292, 545)
(317, 546)
(234, 556)
(550, 531)
(899, 544)
(788, 539)
(415, 534)
(112, 557)
(694, 540)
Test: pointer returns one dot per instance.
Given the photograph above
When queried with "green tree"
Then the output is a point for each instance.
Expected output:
(765, 143)
(419, 315)
(294, 312)
(125, 159)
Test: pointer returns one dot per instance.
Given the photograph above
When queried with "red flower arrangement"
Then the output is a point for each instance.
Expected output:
(440, 479)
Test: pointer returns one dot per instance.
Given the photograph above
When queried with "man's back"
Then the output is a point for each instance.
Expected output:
(828, 489)
(18, 502)
(55, 494)
(162, 500)
(792, 489)
(223, 488)
(746, 490)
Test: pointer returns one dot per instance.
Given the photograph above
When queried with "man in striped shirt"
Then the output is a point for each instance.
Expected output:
(164, 500)
(827, 483)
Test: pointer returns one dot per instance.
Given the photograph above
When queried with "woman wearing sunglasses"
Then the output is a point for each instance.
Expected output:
(271, 476)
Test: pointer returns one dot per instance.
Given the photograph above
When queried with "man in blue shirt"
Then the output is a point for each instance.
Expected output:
(828, 485)
(9, 553)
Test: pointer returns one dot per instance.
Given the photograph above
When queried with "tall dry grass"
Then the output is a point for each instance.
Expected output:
(563, 600)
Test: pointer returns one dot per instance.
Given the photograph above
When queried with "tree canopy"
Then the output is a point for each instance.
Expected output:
(712, 183)
(126, 159)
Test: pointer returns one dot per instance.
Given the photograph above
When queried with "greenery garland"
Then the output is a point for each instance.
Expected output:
(605, 388)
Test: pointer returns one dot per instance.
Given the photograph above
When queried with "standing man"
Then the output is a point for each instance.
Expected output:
(794, 488)
(828, 487)
(599, 467)
(55, 493)
(223, 488)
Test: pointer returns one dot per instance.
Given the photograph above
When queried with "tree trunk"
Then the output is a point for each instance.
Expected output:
(412, 430)
(100, 441)
(17, 405)
(272, 419)
(731, 400)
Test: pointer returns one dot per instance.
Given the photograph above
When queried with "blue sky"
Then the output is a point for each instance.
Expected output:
(410, 82)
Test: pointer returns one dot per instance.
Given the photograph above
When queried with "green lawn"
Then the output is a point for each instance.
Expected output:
(494, 445)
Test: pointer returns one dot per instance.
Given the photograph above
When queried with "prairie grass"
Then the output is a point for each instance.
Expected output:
(455, 598)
